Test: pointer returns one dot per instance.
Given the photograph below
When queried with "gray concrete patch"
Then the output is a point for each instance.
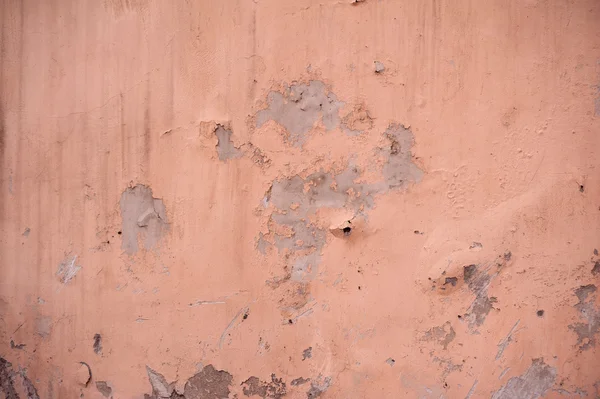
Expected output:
(276, 389)
(442, 335)
(296, 199)
(104, 388)
(143, 216)
(478, 279)
(400, 168)
(538, 378)
(209, 383)
(225, 148)
(299, 107)
(160, 387)
(318, 386)
(590, 326)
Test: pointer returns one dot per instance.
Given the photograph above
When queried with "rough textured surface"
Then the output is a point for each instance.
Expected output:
(210, 188)
(275, 389)
(538, 378)
(225, 147)
(210, 383)
(590, 314)
(299, 107)
(144, 218)
(104, 388)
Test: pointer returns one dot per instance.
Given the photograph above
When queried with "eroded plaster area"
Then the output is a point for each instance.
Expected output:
(299, 107)
(144, 219)
(295, 201)
(533, 384)
(401, 219)
(211, 383)
(589, 313)
(225, 147)
(15, 384)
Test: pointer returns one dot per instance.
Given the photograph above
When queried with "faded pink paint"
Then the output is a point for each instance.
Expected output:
(497, 168)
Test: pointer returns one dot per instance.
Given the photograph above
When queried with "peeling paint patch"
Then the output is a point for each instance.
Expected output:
(357, 121)
(504, 343)
(160, 387)
(596, 268)
(97, 344)
(144, 216)
(67, 270)
(210, 383)
(104, 388)
(7, 380)
(538, 378)
(30, 389)
(299, 381)
(448, 366)
(318, 387)
(10, 380)
(478, 279)
(16, 346)
(307, 353)
(586, 331)
(43, 326)
(275, 389)
(225, 148)
(442, 335)
(299, 107)
(295, 200)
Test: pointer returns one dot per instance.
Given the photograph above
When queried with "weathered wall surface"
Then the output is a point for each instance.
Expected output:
(299, 199)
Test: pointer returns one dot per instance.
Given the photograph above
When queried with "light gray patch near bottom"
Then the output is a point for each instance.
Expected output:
(318, 387)
(142, 215)
(225, 148)
(538, 378)
(299, 108)
(160, 386)
(104, 388)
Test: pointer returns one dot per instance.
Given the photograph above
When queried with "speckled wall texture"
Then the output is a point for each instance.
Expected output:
(299, 199)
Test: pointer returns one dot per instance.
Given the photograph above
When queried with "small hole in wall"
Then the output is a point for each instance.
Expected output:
(581, 188)
(290, 321)
(347, 230)
(459, 316)
(119, 232)
(359, 287)
(540, 313)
